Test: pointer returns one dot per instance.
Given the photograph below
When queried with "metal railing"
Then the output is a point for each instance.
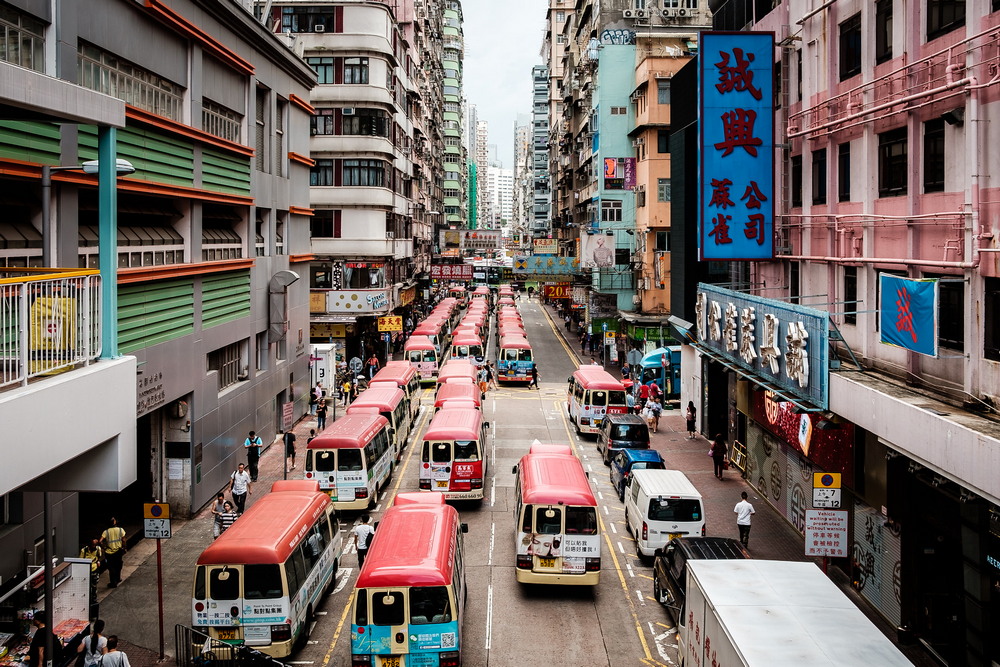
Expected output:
(50, 321)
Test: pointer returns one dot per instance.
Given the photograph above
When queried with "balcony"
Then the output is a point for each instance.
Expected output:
(387, 247)
(346, 195)
(344, 43)
(49, 364)
(351, 95)
(339, 144)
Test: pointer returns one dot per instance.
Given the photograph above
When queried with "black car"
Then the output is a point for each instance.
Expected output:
(670, 569)
(621, 432)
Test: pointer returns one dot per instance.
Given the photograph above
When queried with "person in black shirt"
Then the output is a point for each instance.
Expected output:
(36, 652)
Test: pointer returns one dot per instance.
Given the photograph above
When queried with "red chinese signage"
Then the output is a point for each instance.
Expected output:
(451, 271)
(560, 291)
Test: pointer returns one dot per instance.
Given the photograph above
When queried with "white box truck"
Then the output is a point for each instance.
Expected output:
(774, 613)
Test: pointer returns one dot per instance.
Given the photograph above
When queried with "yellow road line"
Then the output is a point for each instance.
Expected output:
(340, 627)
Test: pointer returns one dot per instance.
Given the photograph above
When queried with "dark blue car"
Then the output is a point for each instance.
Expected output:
(627, 460)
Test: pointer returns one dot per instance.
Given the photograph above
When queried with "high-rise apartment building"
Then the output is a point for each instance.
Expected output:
(541, 223)
(455, 170)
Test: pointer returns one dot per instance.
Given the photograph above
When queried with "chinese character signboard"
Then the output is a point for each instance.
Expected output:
(908, 312)
(451, 271)
(546, 246)
(548, 265)
(472, 239)
(737, 146)
(782, 343)
(826, 533)
(390, 323)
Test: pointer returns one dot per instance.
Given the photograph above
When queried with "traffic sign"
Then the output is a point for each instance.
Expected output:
(355, 364)
(156, 529)
(826, 490)
(386, 336)
(826, 533)
(155, 511)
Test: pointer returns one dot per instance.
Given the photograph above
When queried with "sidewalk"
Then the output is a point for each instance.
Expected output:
(130, 611)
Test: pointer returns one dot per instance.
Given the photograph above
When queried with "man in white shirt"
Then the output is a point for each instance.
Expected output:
(363, 533)
(743, 511)
(239, 486)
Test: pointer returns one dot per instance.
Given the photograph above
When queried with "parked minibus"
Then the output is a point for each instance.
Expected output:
(457, 390)
(391, 403)
(514, 359)
(261, 582)
(469, 347)
(592, 393)
(423, 354)
(456, 368)
(405, 376)
(460, 294)
(409, 598)
(453, 458)
(434, 330)
(352, 460)
(556, 531)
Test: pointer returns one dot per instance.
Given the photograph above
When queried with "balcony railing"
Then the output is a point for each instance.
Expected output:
(50, 321)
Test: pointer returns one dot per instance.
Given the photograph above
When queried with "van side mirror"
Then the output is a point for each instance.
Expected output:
(587, 474)
(513, 470)
(486, 425)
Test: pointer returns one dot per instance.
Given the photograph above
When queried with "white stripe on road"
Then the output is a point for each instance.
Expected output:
(344, 574)
(663, 643)
(493, 530)
(631, 572)
(642, 600)
(489, 616)
(605, 508)
(621, 548)
(613, 529)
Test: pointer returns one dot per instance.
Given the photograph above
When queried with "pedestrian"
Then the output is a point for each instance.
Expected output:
(227, 517)
(114, 657)
(36, 652)
(345, 393)
(593, 362)
(372, 365)
(655, 391)
(95, 555)
(240, 485)
(743, 512)
(113, 540)
(643, 393)
(691, 415)
(720, 452)
(657, 412)
(491, 382)
(363, 533)
(593, 344)
(568, 320)
(289, 439)
(626, 371)
(217, 509)
(321, 414)
(584, 337)
(483, 378)
(630, 402)
(252, 444)
(93, 645)
(534, 377)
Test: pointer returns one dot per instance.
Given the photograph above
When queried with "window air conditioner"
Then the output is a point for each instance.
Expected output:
(348, 111)
(319, 27)
(390, 235)
(629, 13)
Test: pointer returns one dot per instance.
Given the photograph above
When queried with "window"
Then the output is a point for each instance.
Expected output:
(798, 75)
(230, 362)
(365, 173)
(220, 121)
(851, 294)
(355, 70)
(611, 211)
(388, 608)
(308, 18)
(778, 92)
(796, 180)
(22, 39)
(279, 138)
(951, 311)
(819, 176)
(263, 582)
(883, 30)
(560, 17)
(793, 282)
(943, 16)
(619, 111)
(662, 243)
(260, 142)
(107, 73)
(892, 157)
(224, 583)
(662, 91)
(663, 189)
(934, 155)
(321, 173)
(429, 604)
(263, 352)
(324, 69)
(844, 171)
(991, 306)
(850, 47)
(369, 122)
(662, 141)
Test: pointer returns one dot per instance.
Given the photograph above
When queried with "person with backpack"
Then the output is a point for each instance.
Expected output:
(363, 533)
(252, 444)
(114, 657)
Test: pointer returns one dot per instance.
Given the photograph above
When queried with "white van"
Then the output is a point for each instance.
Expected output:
(661, 505)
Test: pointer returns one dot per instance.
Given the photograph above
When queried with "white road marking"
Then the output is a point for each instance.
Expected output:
(310, 641)
(299, 662)
(320, 613)
(493, 490)
(613, 529)
(489, 616)
(642, 600)
(631, 572)
(590, 468)
(600, 495)
(344, 575)
(663, 642)
(493, 530)
(605, 508)
(621, 548)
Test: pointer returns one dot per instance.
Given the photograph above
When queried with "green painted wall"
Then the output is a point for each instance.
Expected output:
(225, 298)
(151, 313)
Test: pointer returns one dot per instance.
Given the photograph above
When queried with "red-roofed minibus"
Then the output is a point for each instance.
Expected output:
(417, 498)
(514, 359)
(409, 599)
(458, 391)
(557, 535)
(453, 458)
(352, 460)
(261, 581)
(592, 393)
(404, 375)
(468, 347)
(460, 294)
(434, 328)
(423, 354)
(390, 402)
(456, 368)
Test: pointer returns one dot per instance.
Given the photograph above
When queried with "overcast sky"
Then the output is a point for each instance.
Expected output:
(502, 43)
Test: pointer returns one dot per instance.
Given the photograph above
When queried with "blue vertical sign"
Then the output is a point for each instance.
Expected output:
(736, 150)
(908, 313)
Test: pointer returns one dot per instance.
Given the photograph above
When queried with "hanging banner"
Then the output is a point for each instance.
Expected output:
(736, 151)
(597, 251)
(908, 313)
(545, 265)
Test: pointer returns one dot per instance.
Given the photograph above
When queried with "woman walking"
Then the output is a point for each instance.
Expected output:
(720, 454)
(93, 645)
(321, 413)
(691, 416)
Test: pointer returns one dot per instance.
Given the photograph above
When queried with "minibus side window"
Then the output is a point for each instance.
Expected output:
(429, 604)
(387, 608)
(466, 450)
(361, 607)
(526, 520)
(350, 459)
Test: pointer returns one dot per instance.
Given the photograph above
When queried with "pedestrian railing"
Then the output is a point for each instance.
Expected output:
(50, 321)
(196, 649)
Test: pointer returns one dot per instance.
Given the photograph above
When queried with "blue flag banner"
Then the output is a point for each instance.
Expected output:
(908, 313)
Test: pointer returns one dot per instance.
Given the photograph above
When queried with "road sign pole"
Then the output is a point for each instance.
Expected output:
(159, 590)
